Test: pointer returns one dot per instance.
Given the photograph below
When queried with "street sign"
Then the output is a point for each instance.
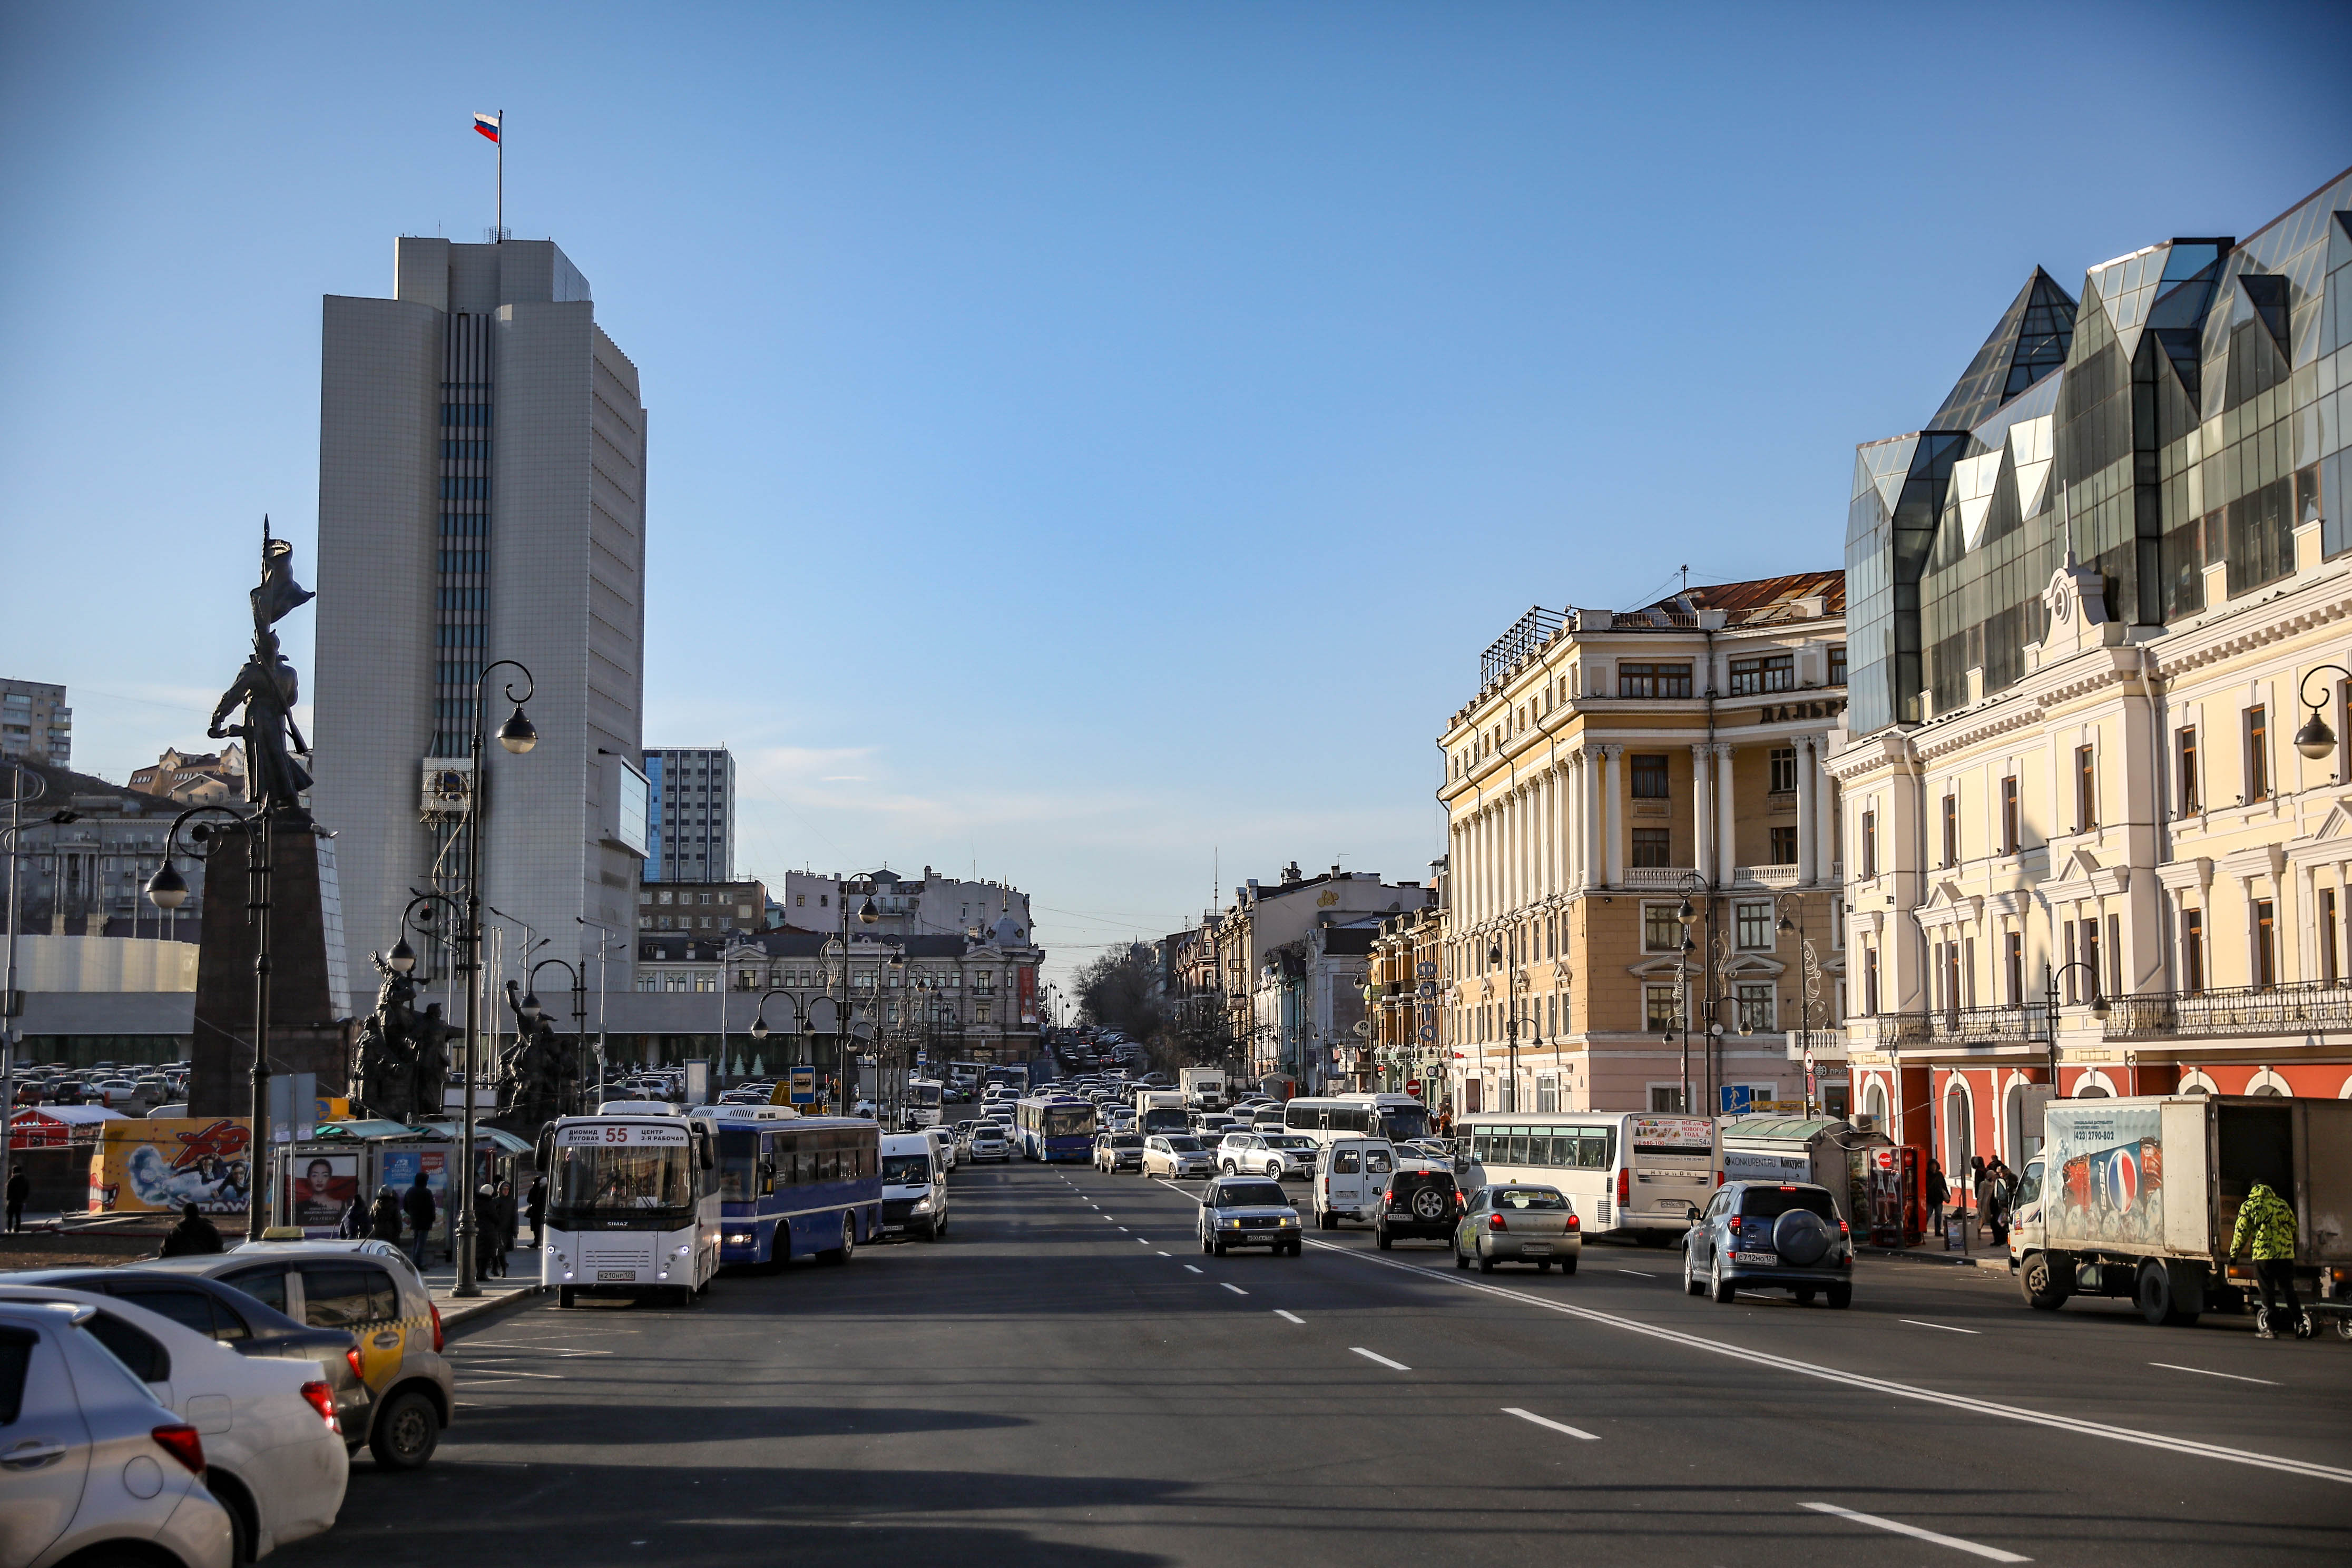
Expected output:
(803, 1086)
(1412, 1086)
(1363, 1028)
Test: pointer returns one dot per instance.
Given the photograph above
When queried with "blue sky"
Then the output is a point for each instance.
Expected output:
(1090, 444)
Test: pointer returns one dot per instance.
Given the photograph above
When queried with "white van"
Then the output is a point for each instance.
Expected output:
(1631, 1174)
(914, 1185)
(1351, 1174)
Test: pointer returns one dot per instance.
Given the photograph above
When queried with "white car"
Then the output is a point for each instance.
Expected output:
(1178, 1155)
(945, 1138)
(988, 1144)
(97, 1467)
(274, 1451)
(1276, 1154)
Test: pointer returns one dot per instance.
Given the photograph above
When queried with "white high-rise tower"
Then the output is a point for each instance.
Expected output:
(481, 496)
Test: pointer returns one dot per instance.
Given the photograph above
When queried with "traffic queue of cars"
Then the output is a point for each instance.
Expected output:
(204, 1410)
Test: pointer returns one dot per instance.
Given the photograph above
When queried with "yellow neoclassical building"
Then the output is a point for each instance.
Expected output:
(1615, 773)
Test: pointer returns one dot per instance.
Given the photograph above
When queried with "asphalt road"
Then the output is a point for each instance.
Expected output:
(1065, 1379)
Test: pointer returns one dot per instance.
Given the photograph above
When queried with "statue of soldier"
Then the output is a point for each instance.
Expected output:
(432, 1064)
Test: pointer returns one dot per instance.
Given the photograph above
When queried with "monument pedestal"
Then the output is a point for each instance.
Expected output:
(308, 978)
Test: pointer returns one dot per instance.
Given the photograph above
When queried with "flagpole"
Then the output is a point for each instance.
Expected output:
(502, 176)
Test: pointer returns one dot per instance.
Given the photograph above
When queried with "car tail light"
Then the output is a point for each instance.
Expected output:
(1842, 1230)
(1624, 1186)
(437, 1328)
(352, 1359)
(1495, 1222)
(183, 1444)
(322, 1400)
(1574, 1222)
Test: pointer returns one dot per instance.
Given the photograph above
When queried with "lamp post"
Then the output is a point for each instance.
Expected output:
(2316, 739)
(802, 1025)
(2099, 1008)
(518, 737)
(12, 1003)
(168, 890)
(607, 939)
(531, 1010)
(1512, 975)
(1807, 992)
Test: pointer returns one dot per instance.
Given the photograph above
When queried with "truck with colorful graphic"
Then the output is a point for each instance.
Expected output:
(2136, 1199)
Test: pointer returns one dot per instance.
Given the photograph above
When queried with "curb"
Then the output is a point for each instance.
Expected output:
(1997, 1262)
(454, 1312)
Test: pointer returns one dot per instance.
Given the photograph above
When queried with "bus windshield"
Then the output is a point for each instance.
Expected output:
(625, 1182)
(1403, 1123)
(738, 1162)
(923, 1093)
(1071, 1122)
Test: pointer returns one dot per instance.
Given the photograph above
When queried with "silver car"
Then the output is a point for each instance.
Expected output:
(1117, 1151)
(1178, 1155)
(1248, 1211)
(1782, 1235)
(92, 1459)
(1519, 1223)
(1276, 1154)
(988, 1145)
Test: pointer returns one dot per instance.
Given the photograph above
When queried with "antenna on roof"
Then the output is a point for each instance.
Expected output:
(1685, 572)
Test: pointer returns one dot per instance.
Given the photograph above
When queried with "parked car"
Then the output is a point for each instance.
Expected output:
(1783, 1236)
(233, 1319)
(97, 1464)
(1520, 1222)
(1248, 1211)
(988, 1143)
(1117, 1151)
(1177, 1155)
(371, 1289)
(1420, 1203)
(274, 1453)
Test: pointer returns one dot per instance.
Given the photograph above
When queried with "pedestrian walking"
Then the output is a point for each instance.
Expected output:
(1938, 1194)
(20, 1188)
(193, 1237)
(353, 1227)
(1994, 1197)
(488, 1258)
(383, 1219)
(419, 1209)
(507, 1221)
(2266, 1223)
(537, 1207)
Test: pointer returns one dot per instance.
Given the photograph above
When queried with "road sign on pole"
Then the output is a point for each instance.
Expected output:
(803, 1086)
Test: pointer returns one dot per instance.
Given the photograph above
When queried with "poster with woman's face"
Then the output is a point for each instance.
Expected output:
(324, 1186)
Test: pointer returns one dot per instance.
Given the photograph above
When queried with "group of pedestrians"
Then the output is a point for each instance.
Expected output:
(406, 1220)
(1994, 1183)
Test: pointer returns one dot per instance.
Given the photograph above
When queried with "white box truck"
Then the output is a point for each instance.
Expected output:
(2137, 1198)
(1204, 1087)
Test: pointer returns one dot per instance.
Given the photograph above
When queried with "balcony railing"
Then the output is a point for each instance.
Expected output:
(1661, 877)
(2306, 1005)
(1987, 1025)
(1828, 1045)
(1764, 876)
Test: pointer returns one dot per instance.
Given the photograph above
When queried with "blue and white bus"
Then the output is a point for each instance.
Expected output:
(797, 1186)
(632, 1205)
(1054, 1127)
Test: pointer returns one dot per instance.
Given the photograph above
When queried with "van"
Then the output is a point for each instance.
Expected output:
(1351, 1174)
(1630, 1174)
(914, 1185)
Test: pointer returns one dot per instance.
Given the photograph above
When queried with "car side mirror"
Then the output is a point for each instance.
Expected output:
(1692, 1213)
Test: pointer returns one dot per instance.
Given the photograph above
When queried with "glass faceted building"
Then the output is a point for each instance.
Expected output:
(2187, 411)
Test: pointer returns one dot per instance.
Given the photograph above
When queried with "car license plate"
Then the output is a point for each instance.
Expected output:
(1756, 1258)
(1537, 1249)
(622, 1274)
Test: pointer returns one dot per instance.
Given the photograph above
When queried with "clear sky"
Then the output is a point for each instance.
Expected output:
(1090, 444)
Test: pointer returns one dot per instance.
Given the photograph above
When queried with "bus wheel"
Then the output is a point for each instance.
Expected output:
(848, 1248)
(563, 1296)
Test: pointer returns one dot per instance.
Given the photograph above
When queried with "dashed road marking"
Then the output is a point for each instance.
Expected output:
(1637, 1274)
(1375, 1355)
(1548, 1421)
(2200, 1372)
(1192, 1268)
(1236, 1289)
(1915, 1534)
(1292, 1316)
(1923, 1323)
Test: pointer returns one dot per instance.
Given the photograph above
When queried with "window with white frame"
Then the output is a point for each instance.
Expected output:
(1753, 923)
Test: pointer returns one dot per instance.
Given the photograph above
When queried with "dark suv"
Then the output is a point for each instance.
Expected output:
(1781, 1235)
(1423, 1204)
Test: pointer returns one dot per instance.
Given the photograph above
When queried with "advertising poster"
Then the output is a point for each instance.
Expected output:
(158, 1166)
(2109, 1168)
(1028, 995)
(400, 1167)
(323, 1187)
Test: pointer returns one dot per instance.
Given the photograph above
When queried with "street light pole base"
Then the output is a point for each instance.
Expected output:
(467, 1292)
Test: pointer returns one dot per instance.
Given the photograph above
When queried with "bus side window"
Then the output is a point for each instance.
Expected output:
(1482, 1148)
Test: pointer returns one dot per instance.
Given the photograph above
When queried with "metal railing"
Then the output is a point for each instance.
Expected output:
(1989, 1026)
(2306, 1005)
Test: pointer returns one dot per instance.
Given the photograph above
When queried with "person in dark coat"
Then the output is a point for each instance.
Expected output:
(20, 1188)
(1938, 1194)
(383, 1219)
(508, 1222)
(353, 1227)
(536, 1205)
(419, 1208)
(193, 1237)
(489, 1256)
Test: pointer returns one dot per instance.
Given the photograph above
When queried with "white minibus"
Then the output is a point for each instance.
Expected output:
(1628, 1173)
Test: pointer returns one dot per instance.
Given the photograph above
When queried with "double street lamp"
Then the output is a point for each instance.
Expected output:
(531, 1012)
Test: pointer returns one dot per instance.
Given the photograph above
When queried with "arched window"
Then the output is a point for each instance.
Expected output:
(1873, 1103)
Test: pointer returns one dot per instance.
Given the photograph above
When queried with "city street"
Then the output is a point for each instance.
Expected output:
(1065, 1378)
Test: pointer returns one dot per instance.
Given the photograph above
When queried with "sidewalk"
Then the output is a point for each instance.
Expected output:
(518, 1284)
(1983, 1251)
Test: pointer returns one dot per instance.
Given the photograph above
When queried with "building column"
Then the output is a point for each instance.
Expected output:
(1701, 755)
(1613, 815)
(1824, 811)
(1727, 815)
(1572, 820)
(1595, 864)
(1807, 872)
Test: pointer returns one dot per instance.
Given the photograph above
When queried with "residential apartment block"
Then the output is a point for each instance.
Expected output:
(1615, 773)
(689, 814)
(930, 905)
(709, 909)
(35, 722)
(2097, 596)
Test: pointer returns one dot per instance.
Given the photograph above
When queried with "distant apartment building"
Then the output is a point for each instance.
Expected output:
(930, 905)
(481, 499)
(709, 909)
(194, 778)
(689, 814)
(35, 722)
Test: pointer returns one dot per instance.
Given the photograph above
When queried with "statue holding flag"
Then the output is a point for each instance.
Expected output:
(268, 689)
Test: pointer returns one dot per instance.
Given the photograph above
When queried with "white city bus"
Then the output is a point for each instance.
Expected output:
(631, 1206)
(923, 1102)
(1631, 1174)
(1399, 1118)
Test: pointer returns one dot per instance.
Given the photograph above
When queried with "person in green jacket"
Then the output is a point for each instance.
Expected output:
(2266, 1222)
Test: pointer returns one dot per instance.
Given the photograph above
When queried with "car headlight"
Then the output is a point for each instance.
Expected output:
(1289, 1220)
(739, 1241)
(922, 1204)
(1233, 1225)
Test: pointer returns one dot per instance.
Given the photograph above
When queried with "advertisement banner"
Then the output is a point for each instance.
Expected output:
(323, 1187)
(400, 1167)
(159, 1166)
(1028, 995)
(2110, 1175)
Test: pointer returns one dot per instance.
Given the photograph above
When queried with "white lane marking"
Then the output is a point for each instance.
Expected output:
(1921, 1323)
(549, 1376)
(1147, 1244)
(1548, 1421)
(1143, 1241)
(2200, 1372)
(1292, 1316)
(1192, 1268)
(1373, 1355)
(2188, 1446)
(1236, 1289)
(1637, 1274)
(1913, 1530)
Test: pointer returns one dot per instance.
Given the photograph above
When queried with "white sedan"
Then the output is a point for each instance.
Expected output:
(274, 1452)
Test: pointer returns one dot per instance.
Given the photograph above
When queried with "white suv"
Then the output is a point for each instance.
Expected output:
(1276, 1154)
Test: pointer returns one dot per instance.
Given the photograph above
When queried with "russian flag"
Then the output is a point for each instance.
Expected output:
(488, 124)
